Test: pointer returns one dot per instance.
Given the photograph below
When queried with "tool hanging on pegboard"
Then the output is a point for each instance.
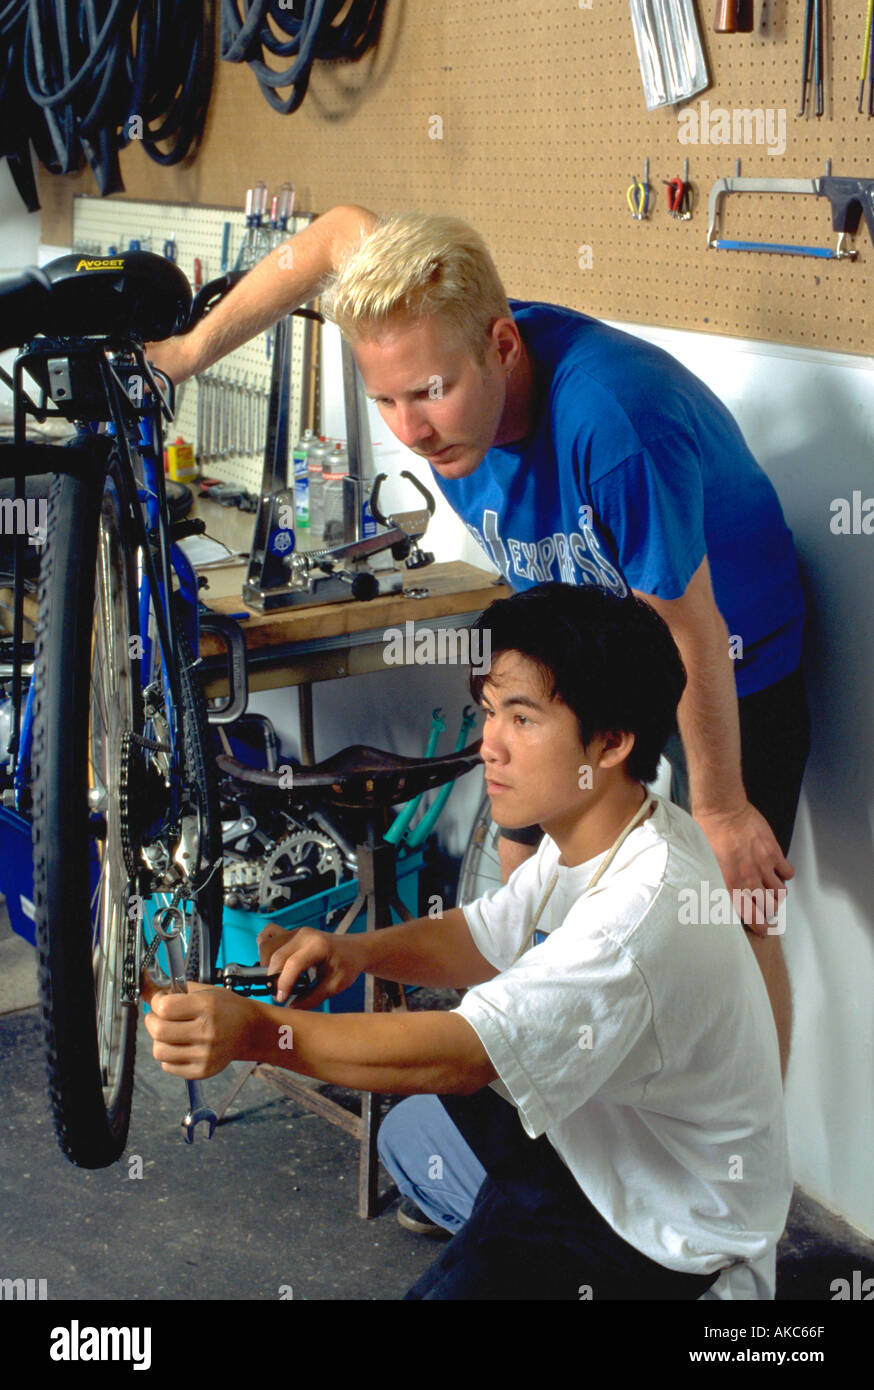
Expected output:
(850, 200)
(733, 17)
(868, 61)
(680, 195)
(672, 65)
(637, 195)
(812, 57)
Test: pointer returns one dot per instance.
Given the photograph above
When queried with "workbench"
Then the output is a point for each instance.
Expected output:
(297, 646)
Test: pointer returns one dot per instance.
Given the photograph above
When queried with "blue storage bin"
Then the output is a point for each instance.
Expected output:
(16, 872)
(240, 929)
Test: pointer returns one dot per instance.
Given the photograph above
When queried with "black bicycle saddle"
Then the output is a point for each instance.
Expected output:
(133, 295)
(359, 776)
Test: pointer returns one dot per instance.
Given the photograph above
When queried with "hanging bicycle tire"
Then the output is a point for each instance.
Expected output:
(480, 868)
(100, 805)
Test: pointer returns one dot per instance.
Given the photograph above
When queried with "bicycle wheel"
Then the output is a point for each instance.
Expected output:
(480, 867)
(122, 825)
(85, 700)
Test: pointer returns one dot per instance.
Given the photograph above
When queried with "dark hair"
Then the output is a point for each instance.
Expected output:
(612, 660)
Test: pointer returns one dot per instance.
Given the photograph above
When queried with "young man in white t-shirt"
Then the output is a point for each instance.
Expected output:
(613, 1070)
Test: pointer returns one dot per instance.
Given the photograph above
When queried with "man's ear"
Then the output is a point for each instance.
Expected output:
(506, 337)
(616, 746)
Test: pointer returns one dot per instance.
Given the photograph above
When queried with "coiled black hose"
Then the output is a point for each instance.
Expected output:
(82, 78)
(312, 32)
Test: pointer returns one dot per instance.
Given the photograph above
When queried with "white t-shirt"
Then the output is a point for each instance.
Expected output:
(645, 1049)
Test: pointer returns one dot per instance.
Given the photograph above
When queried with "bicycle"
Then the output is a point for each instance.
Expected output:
(112, 747)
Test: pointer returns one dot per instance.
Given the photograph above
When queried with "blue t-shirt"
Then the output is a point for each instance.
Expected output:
(632, 473)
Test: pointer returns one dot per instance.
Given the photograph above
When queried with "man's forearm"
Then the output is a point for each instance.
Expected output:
(709, 725)
(438, 952)
(394, 1054)
(707, 715)
(289, 276)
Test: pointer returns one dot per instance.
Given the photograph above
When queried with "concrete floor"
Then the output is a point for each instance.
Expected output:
(268, 1205)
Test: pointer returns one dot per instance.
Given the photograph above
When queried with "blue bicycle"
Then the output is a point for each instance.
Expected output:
(113, 745)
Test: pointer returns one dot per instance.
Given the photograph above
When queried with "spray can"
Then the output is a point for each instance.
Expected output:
(339, 509)
(316, 457)
(301, 480)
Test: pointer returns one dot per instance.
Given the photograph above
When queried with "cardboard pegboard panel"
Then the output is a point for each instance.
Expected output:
(242, 378)
(529, 120)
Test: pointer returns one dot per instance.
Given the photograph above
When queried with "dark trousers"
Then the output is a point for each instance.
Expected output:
(532, 1233)
(775, 742)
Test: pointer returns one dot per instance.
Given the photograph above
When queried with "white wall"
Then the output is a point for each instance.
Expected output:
(809, 418)
(19, 246)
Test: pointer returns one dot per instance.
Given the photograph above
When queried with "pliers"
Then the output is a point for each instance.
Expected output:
(638, 195)
(680, 194)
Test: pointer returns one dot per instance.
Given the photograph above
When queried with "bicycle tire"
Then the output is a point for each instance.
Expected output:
(90, 1033)
(90, 1041)
(480, 867)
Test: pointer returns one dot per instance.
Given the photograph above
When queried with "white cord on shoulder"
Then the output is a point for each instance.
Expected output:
(602, 868)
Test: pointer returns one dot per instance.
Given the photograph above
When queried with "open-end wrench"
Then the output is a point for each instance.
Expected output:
(198, 431)
(232, 413)
(238, 414)
(223, 384)
(209, 413)
(243, 419)
(198, 1110)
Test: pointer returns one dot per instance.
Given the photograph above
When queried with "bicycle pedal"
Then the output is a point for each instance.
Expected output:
(250, 980)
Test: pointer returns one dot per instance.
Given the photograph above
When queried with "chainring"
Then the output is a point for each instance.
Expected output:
(317, 855)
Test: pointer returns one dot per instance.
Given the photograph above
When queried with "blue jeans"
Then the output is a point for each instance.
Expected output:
(429, 1161)
(528, 1232)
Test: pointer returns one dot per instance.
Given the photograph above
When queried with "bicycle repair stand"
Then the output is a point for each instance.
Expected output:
(279, 575)
(367, 780)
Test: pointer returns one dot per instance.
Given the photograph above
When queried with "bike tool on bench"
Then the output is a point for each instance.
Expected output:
(279, 575)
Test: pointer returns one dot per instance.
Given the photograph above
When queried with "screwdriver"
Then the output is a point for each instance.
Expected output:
(733, 17)
(868, 59)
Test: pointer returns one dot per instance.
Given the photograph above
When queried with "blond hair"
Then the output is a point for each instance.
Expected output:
(419, 265)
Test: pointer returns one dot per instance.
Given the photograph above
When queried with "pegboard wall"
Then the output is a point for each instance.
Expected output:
(530, 121)
(235, 391)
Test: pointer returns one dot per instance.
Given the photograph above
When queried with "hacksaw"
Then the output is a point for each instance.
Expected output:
(850, 199)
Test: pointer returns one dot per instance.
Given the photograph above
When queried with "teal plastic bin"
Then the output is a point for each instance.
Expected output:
(240, 929)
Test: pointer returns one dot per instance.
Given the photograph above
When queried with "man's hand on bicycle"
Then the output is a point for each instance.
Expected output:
(199, 1033)
(337, 961)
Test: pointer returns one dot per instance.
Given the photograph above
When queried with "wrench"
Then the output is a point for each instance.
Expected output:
(206, 387)
(198, 1110)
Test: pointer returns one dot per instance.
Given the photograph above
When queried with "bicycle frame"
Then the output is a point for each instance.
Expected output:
(139, 438)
